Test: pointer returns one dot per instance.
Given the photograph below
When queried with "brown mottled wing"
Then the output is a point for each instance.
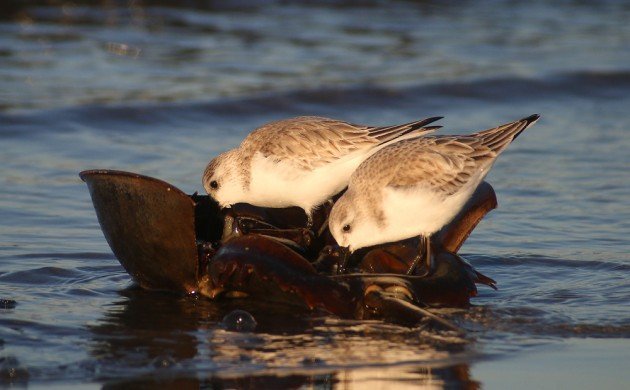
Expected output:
(310, 142)
(444, 164)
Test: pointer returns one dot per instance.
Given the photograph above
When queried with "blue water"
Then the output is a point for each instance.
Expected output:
(161, 89)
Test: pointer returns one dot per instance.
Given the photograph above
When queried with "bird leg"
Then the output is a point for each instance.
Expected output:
(428, 257)
(322, 228)
(328, 205)
(424, 251)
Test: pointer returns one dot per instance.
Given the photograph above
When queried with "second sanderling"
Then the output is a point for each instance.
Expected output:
(414, 187)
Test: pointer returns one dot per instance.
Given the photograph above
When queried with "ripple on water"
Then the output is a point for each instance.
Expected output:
(7, 304)
(559, 297)
(42, 275)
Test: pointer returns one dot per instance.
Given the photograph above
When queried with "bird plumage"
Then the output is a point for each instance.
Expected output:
(301, 161)
(416, 186)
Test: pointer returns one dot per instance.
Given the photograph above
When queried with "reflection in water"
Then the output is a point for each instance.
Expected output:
(146, 330)
(457, 376)
(180, 342)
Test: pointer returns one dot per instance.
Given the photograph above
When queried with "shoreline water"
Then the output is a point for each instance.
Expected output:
(557, 244)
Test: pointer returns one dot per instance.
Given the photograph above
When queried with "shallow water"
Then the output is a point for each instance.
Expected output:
(160, 89)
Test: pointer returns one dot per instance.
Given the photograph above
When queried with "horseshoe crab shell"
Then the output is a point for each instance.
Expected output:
(150, 226)
(167, 240)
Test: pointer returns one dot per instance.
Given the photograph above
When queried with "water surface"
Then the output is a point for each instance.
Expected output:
(161, 89)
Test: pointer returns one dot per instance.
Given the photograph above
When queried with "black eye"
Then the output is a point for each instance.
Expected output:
(214, 184)
(346, 228)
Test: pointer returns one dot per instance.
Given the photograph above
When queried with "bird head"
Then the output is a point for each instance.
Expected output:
(223, 179)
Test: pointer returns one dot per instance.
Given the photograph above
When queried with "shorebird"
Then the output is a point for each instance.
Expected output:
(416, 186)
(301, 161)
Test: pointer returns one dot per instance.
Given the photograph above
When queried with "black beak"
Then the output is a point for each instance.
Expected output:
(343, 253)
(333, 259)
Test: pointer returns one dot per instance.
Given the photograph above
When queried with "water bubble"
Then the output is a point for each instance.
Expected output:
(239, 321)
(163, 362)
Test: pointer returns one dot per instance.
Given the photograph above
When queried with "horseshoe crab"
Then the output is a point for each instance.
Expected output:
(168, 240)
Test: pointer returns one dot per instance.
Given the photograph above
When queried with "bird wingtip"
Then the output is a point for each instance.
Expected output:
(532, 118)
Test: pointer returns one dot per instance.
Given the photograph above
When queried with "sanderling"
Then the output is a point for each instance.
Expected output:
(414, 187)
(301, 161)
